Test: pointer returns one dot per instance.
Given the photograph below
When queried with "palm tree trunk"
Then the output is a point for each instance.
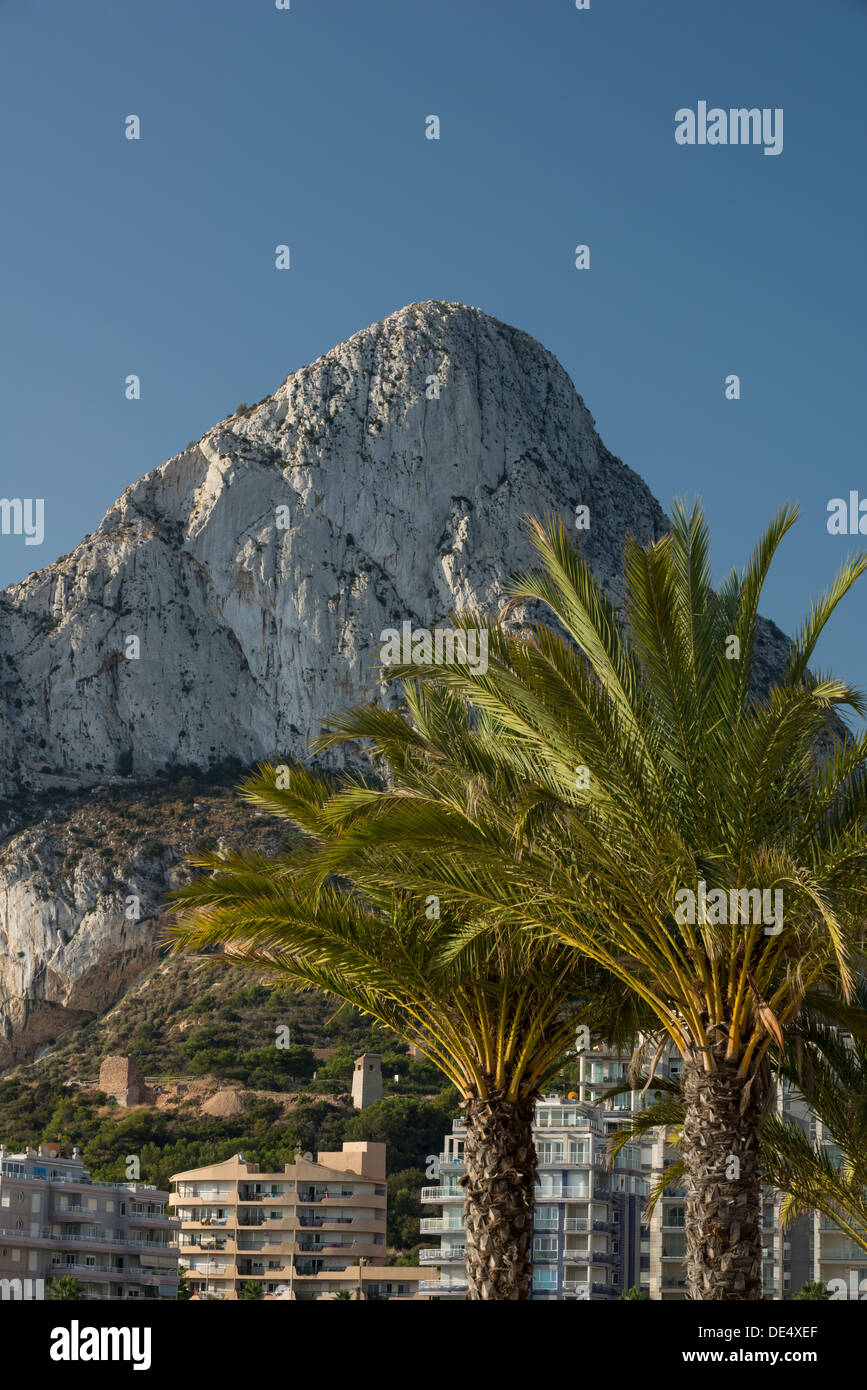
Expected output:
(498, 1209)
(720, 1147)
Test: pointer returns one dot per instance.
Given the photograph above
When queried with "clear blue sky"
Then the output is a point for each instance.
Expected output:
(307, 127)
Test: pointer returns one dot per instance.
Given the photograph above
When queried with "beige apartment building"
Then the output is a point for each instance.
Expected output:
(305, 1233)
(116, 1239)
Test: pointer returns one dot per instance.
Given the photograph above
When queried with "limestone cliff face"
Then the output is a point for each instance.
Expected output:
(258, 568)
(235, 596)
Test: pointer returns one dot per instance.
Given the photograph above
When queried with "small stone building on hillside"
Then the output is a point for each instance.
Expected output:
(120, 1078)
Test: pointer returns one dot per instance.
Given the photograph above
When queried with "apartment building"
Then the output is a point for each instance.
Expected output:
(810, 1248)
(834, 1258)
(310, 1231)
(116, 1239)
(586, 1228)
(787, 1252)
(599, 1070)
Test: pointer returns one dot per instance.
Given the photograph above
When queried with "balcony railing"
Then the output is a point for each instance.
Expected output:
(593, 1257)
(46, 1234)
(433, 1255)
(307, 1221)
(577, 1288)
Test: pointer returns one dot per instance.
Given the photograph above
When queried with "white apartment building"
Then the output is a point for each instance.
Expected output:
(586, 1228)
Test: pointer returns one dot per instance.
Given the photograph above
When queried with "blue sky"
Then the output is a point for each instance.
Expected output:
(306, 127)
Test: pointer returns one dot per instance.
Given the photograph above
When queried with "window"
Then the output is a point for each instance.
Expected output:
(544, 1279)
(546, 1218)
(545, 1246)
(549, 1151)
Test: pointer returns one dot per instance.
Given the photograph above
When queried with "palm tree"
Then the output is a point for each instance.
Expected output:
(818, 1175)
(492, 1006)
(64, 1287)
(343, 1296)
(657, 806)
(251, 1292)
(829, 1067)
(814, 1290)
(634, 1295)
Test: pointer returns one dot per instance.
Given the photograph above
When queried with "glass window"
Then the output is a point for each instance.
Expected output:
(549, 1151)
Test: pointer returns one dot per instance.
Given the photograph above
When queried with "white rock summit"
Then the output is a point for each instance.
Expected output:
(397, 506)
(401, 466)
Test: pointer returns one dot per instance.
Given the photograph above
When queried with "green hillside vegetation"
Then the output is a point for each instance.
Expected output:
(204, 1020)
(187, 1019)
(201, 1020)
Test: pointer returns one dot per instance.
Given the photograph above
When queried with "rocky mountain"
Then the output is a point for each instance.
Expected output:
(235, 596)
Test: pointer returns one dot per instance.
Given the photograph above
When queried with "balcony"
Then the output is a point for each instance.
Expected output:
(327, 1194)
(161, 1221)
(593, 1257)
(434, 1225)
(440, 1287)
(46, 1237)
(442, 1194)
(434, 1256)
(308, 1221)
(561, 1194)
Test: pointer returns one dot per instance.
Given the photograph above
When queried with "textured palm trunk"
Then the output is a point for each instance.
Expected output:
(498, 1209)
(720, 1147)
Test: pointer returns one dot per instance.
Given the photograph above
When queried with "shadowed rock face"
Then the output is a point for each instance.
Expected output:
(257, 571)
